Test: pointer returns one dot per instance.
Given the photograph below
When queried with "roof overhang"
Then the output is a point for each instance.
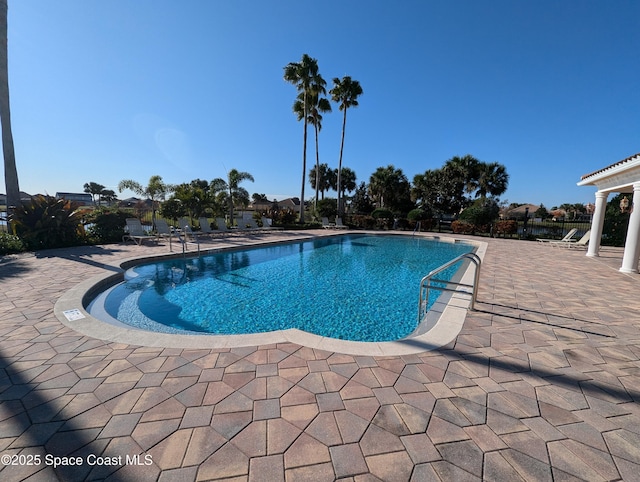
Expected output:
(618, 177)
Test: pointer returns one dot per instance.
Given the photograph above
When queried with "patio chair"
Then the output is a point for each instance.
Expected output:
(566, 239)
(251, 225)
(240, 227)
(163, 230)
(267, 224)
(326, 224)
(205, 227)
(222, 226)
(580, 244)
(339, 224)
(136, 233)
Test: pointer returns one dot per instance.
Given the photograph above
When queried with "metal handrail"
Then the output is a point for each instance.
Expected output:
(426, 283)
(184, 241)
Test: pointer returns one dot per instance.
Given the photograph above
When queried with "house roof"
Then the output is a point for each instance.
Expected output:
(522, 209)
(628, 160)
(75, 195)
(289, 201)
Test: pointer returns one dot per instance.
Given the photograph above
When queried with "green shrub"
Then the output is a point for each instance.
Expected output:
(173, 209)
(615, 223)
(284, 218)
(10, 243)
(382, 214)
(47, 222)
(505, 227)
(362, 221)
(401, 223)
(106, 226)
(419, 215)
(463, 227)
(327, 207)
(481, 212)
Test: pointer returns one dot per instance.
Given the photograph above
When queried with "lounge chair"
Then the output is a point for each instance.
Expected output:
(136, 233)
(339, 224)
(205, 227)
(267, 224)
(326, 224)
(163, 230)
(566, 239)
(241, 226)
(251, 225)
(580, 244)
(222, 226)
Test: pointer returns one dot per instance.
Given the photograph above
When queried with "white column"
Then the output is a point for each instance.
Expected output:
(597, 222)
(632, 244)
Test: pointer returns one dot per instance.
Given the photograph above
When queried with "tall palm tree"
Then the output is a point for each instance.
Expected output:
(492, 179)
(155, 191)
(10, 170)
(465, 169)
(304, 75)
(347, 181)
(237, 193)
(317, 106)
(389, 187)
(345, 92)
(321, 178)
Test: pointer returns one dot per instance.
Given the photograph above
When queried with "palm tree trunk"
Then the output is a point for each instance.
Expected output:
(304, 162)
(317, 169)
(344, 125)
(10, 171)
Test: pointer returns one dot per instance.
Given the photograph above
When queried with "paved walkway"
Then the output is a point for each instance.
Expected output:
(541, 384)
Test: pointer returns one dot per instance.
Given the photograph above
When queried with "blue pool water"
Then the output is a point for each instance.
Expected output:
(357, 287)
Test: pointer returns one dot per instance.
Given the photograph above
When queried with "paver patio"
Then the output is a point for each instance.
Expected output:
(542, 383)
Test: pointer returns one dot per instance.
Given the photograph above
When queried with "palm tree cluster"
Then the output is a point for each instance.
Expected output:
(196, 198)
(445, 190)
(155, 191)
(458, 183)
(100, 193)
(389, 188)
(325, 178)
(309, 107)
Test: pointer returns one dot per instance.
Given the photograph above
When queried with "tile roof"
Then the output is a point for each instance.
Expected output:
(631, 158)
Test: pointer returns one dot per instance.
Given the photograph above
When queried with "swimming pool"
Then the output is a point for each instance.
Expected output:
(351, 287)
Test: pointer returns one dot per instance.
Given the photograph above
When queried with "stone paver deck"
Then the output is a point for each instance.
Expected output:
(542, 383)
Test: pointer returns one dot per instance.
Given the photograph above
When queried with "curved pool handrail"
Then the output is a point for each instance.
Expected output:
(426, 283)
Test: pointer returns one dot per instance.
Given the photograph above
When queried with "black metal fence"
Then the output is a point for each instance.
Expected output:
(531, 228)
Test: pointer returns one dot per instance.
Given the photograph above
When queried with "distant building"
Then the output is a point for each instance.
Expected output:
(262, 205)
(133, 202)
(84, 199)
(24, 197)
(519, 212)
(292, 203)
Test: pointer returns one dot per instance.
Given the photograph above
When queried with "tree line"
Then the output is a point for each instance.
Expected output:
(459, 183)
(446, 190)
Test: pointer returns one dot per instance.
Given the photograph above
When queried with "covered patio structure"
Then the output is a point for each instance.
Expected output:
(621, 177)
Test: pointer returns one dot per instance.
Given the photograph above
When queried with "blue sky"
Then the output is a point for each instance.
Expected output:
(126, 89)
